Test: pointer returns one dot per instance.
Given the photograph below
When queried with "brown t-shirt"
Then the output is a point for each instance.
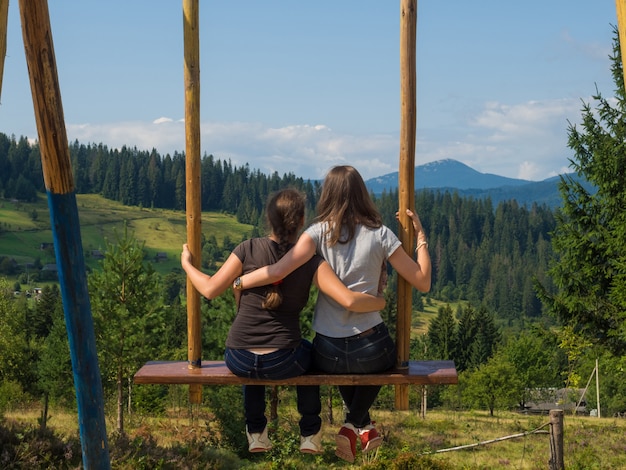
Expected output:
(256, 327)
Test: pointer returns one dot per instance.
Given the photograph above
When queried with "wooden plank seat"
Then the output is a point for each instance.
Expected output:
(216, 373)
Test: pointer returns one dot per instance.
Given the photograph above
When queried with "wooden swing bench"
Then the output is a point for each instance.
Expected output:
(216, 373)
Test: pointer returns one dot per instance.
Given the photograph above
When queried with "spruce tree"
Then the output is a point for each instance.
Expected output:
(129, 315)
(442, 334)
(589, 272)
(465, 338)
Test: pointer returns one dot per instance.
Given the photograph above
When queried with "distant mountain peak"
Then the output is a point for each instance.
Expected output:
(450, 174)
(446, 173)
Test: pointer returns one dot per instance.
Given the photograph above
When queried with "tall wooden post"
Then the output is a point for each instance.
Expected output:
(598, 389)
(406, 183)
(192, 172)
(68, 248)
(4, 19)
(620, 6)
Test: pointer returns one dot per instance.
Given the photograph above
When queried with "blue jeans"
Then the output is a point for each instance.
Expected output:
(370, 352)
(281, 364)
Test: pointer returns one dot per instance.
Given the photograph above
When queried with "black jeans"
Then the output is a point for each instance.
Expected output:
(281, 364)
(369, 352)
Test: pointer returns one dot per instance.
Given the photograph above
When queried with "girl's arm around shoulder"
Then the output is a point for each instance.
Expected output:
(328, 282)
(301, 252)
(211, 286)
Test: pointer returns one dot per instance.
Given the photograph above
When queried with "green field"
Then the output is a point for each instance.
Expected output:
(22, 233)
(589, 443)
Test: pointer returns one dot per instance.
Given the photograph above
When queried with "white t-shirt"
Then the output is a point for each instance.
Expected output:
(358, 264)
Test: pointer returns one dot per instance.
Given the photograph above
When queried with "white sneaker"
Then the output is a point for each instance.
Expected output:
(258, 441)
(312, 444)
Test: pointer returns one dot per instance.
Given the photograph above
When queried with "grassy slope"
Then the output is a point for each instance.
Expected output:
(100, 219)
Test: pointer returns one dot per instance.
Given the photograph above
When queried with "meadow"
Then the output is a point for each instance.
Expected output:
(25, 226)
(411, 442)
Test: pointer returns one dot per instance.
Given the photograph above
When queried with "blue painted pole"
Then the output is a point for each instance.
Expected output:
(68, 249)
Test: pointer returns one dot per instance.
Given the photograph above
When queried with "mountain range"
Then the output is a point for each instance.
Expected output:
(454, 176)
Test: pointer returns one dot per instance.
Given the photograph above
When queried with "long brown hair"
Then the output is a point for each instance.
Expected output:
(285, 215)
(345, 203)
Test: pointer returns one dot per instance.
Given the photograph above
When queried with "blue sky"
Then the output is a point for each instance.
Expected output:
(301, 86)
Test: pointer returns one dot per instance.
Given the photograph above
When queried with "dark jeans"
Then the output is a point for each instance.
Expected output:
(281, 364)
(367, 353)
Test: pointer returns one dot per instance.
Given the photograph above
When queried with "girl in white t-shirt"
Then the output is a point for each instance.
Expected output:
(348, 232)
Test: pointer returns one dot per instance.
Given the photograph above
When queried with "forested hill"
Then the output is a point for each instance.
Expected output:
(482, 252)
(142, 178)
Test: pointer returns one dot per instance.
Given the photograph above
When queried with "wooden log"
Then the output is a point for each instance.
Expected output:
(406, 183)
(193, 189)
(216, 373)
(65, 225)
(4, 19)
(620, 6)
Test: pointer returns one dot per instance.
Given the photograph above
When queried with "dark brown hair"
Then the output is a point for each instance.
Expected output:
(345, 203)
(285, 215)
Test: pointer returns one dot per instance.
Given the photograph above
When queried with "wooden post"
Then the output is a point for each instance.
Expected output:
(620, 6)
(598, 388)
(57, 172)
(192, 172)
(424, 400)
(556, 440)
(331, 418)
(4, 19)
(406, 183)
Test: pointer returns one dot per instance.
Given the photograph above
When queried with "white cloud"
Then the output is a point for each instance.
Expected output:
(530, 138)
(528, 170)
(526, 140)
(306, 150)
(162, 120)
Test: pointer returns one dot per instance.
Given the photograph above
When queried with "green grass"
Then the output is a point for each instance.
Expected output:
(100, 219)
(421, 320)
(589, 443)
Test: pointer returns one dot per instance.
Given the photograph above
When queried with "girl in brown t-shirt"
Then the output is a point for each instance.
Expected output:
(265, 340)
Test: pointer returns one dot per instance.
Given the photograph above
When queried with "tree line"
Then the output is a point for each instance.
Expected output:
(488, 255)
(146, 178)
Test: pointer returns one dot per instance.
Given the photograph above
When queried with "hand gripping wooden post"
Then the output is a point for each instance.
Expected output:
(193, 192)
(406, 183)
(57, 172)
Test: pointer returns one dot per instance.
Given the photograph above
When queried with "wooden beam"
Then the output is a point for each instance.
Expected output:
(192, 172)
(406, 177)
(216, 373)
(620, 6)
(4, 20)
(57, 172)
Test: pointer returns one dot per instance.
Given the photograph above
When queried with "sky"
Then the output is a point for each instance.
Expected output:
(298, 87)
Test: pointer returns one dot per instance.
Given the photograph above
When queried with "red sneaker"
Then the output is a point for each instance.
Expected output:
(346, 443)
(370, 439)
